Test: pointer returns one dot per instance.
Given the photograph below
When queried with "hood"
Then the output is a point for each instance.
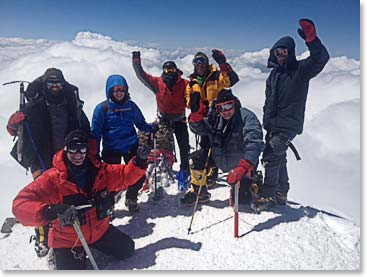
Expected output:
(115, 80)
(288, 43)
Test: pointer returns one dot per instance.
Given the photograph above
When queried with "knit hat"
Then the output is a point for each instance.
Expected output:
(53, 74)
(225, 95)
(76, 137)
(169, 64)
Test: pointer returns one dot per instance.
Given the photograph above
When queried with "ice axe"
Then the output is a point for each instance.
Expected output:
(76, 225)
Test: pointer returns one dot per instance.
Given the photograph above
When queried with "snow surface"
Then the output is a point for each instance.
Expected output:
(294, 237)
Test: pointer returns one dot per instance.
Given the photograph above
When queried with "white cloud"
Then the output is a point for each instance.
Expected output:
(332, 113)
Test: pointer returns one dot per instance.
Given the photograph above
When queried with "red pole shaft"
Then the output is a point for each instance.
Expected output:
(236, 224)
(236, 194)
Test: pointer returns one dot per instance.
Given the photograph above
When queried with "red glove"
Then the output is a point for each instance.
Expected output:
(199, 114)
(308, 31)
(14, 120)
(218, 56)
(236, 174)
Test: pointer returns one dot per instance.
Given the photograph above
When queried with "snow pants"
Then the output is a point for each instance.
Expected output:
(113, 243)
(275, 164)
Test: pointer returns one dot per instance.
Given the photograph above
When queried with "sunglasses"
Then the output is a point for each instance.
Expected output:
(53, 84)
(168, 70)
(199, 60)
(75, 148)
(280, 52)
(119, 89)
(225, 106)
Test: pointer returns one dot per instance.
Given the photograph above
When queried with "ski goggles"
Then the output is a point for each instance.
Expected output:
(51, 84)
(199, 60)
(225, 106)
(169, 70)
(119, 89)
(75, 148)
(280, 52)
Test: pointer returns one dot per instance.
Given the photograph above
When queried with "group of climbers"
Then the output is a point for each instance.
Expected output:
(74, 163)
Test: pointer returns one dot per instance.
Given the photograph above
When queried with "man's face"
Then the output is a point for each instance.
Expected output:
(226, 109)
(119, 92)
(54, 86)
(76, 153)
(281, 54)
(200, 66)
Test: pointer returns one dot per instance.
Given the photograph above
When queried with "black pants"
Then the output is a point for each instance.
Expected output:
(276, 174)
(112, 157)
(182, 137)
(113, 243)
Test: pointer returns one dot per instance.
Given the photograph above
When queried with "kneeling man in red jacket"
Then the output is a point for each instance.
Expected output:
(78, 179)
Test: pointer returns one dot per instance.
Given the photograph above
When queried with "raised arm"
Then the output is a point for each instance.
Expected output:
(148, 80)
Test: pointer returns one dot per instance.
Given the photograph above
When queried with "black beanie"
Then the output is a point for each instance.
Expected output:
(169, 64)
(77, 136)
(225, 95)
(53, 74)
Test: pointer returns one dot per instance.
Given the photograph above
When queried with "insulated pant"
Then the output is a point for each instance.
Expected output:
(276, 174)
(182, 137)
(112, 157)
(113, 243)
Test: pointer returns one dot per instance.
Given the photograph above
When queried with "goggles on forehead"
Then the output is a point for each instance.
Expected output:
(225, 106)
(280, 52)
(168, 70)
(74, 148)
(53, 84)
(199, 60)
(119, 89)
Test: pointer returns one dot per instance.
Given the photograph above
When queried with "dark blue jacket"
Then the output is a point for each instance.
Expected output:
(116, 126)
(287, 87)
(242, 138)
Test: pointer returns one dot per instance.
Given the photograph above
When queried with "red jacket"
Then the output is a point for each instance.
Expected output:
(171, 104)
(52, 187)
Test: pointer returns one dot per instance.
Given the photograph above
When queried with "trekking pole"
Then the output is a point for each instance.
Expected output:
(199, 191)
(76, 225)
(236, 192)
(21, 125)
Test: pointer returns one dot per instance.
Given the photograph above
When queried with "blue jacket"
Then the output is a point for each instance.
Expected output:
(116, 125)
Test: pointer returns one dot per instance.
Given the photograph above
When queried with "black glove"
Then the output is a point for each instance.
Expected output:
(194, 101)
(218, 56)
(154, 127)
(51, 212)
(308, 31)
(142, 155)
(136, 55)
(69, 216)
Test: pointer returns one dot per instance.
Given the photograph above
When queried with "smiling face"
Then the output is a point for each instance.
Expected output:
(76, 153)
(119, 92)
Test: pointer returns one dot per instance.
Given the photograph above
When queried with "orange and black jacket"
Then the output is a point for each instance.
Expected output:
(213, 84)
(54, 187)
(171, 103)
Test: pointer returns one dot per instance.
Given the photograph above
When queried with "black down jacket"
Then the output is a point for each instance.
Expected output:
(287, 87)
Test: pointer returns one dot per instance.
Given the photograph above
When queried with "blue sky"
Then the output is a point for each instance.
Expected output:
(232, 24)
